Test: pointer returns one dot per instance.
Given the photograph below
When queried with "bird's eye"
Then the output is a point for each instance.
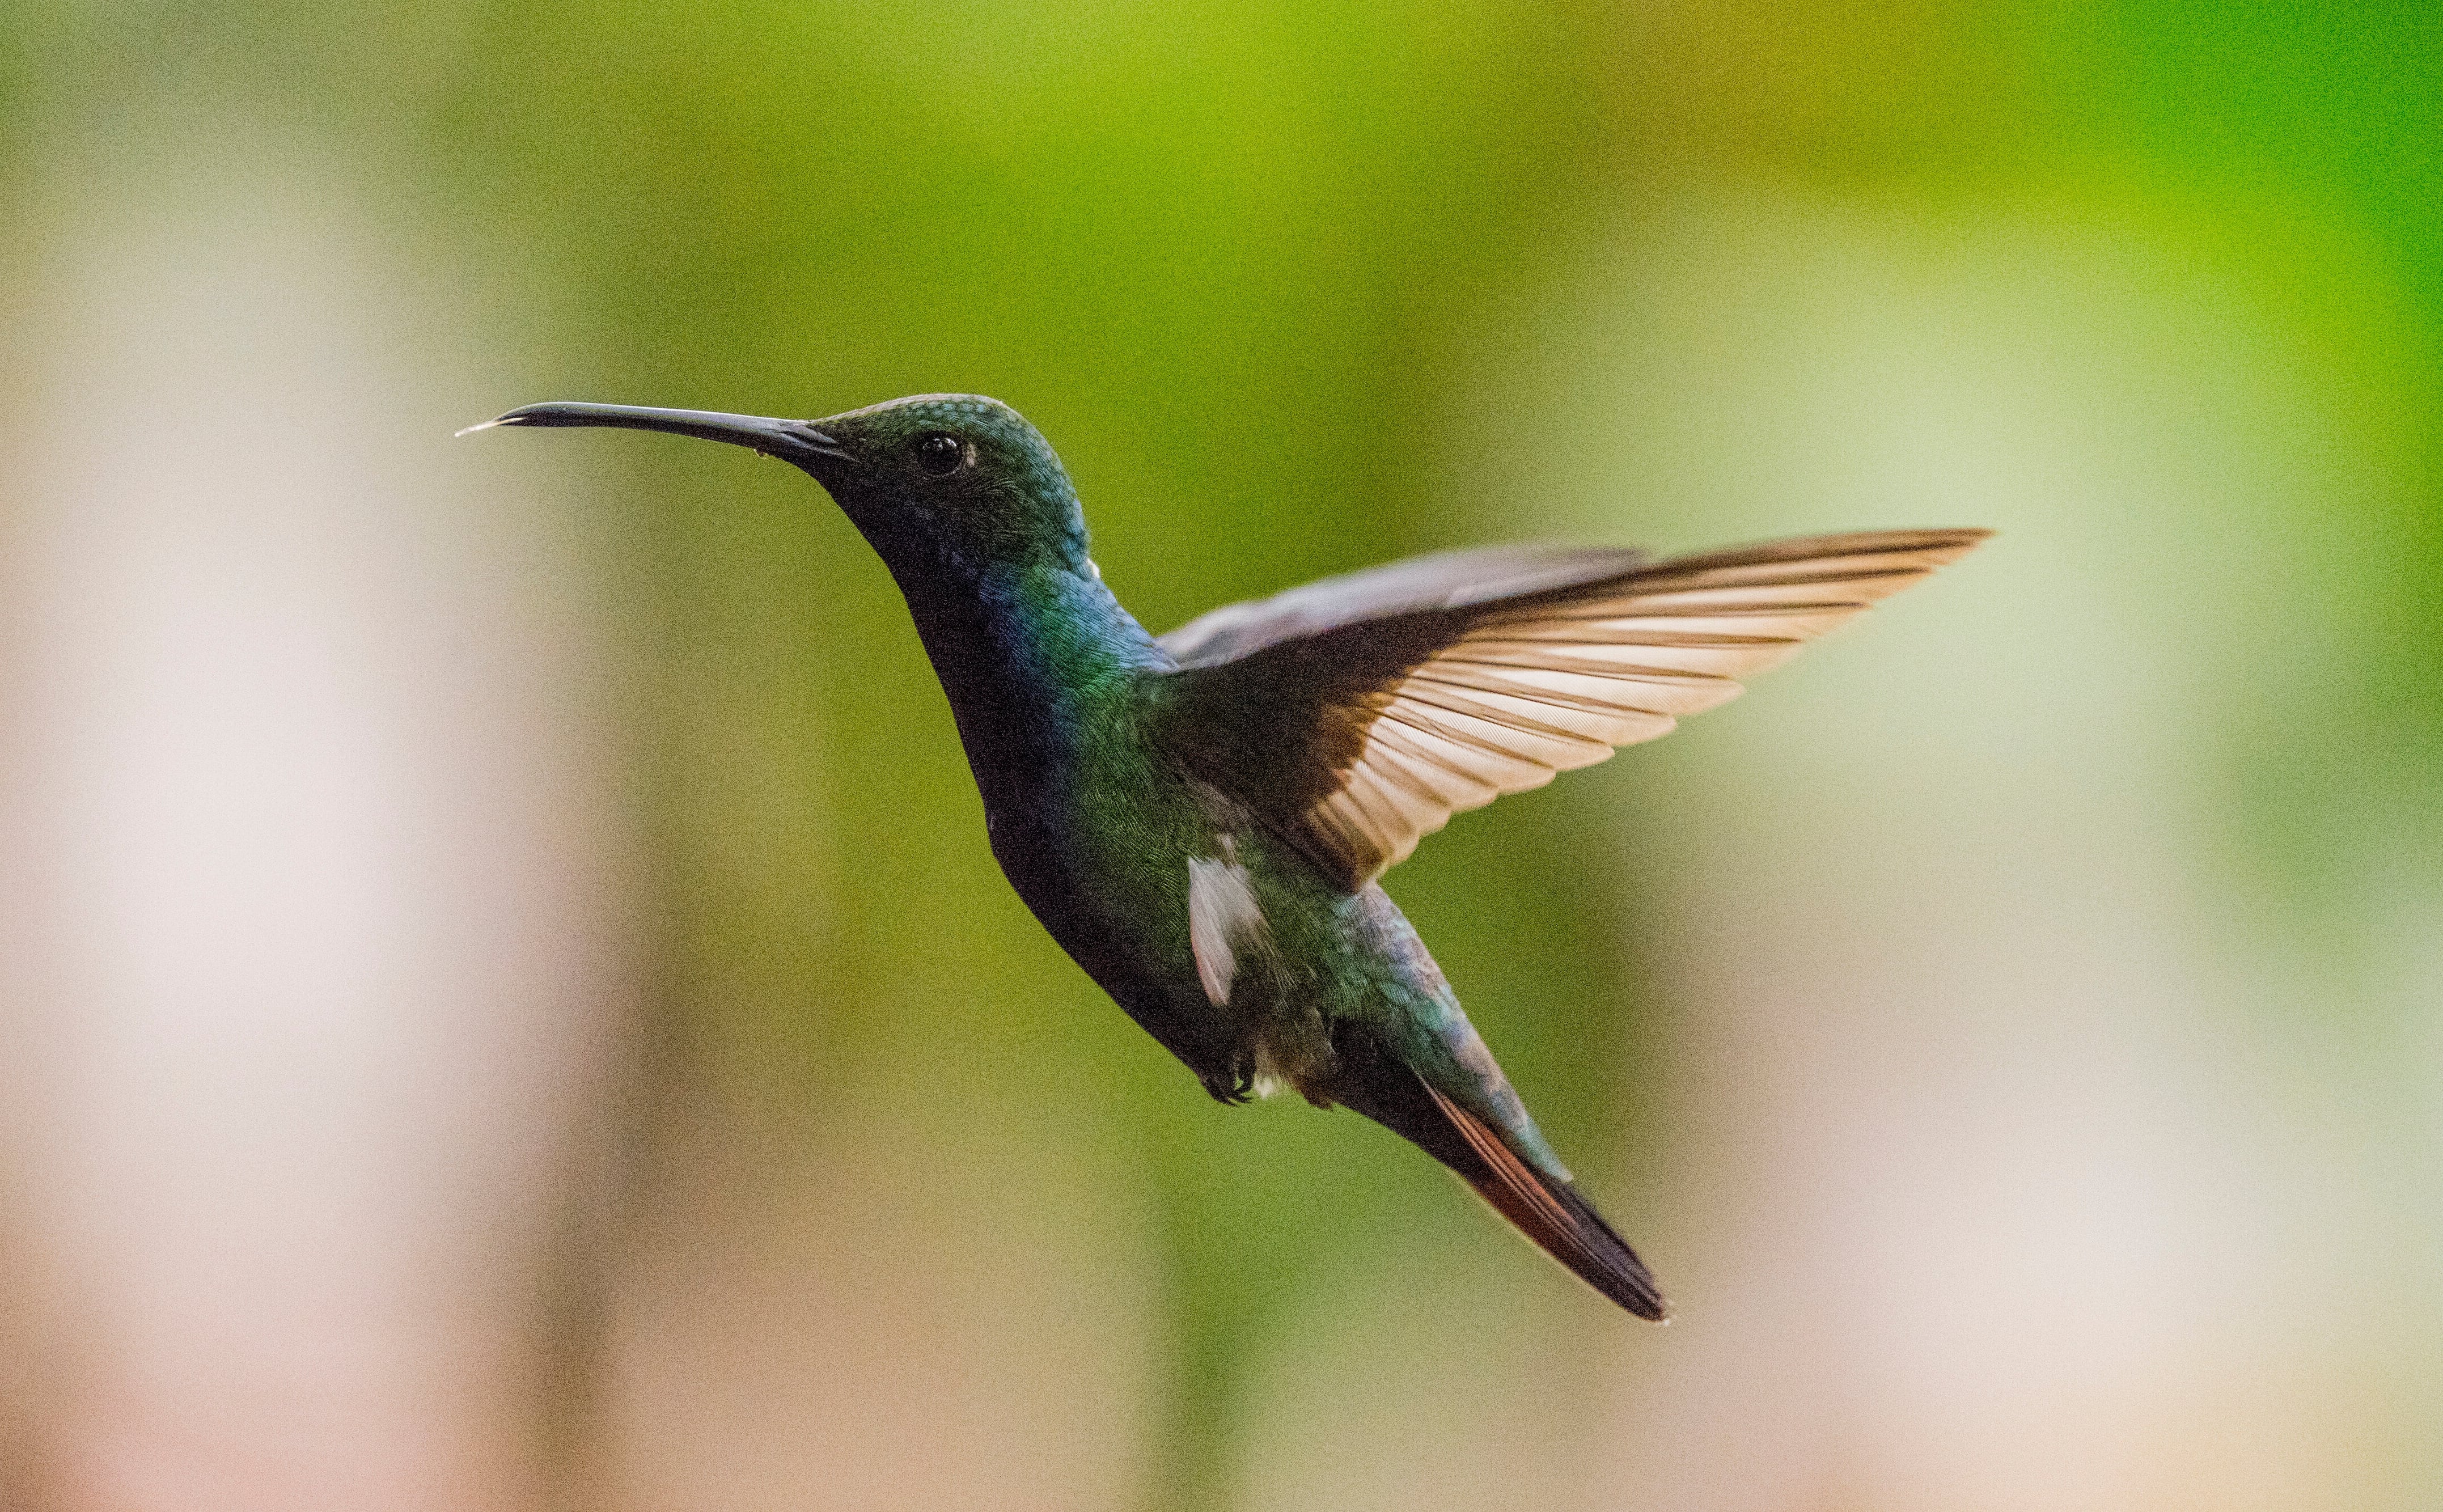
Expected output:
(940, 454)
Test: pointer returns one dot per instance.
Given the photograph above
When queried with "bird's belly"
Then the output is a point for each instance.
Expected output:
(1109, 881)
(1221, 942)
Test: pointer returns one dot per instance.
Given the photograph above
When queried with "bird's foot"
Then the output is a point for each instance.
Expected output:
(1234, 1084)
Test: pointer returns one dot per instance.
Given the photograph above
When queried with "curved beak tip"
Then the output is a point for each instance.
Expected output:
(480, 425)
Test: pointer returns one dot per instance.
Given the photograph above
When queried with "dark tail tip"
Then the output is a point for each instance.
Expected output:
(1563, 1223)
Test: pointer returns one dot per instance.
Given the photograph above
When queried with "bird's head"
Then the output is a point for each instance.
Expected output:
(951, 480)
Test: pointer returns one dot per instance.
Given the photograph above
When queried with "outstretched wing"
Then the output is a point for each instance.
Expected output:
(1357, 714)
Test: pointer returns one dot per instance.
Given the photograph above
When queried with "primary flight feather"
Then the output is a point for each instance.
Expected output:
(1200, 819)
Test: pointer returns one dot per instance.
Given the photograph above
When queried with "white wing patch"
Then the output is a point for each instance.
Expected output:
(1221, 917)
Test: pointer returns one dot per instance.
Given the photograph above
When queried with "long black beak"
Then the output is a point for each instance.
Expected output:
(789, 440)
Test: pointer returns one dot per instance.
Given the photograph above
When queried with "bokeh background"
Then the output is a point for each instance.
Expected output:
(505, 1000)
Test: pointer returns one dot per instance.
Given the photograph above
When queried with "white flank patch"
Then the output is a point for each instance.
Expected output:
(1221, 911)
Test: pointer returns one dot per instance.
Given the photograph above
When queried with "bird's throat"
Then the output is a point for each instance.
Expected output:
(1027, 655)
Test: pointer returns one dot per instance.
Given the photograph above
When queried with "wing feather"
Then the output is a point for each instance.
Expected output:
(1360, 714)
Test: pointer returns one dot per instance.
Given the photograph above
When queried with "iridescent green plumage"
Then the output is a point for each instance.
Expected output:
(1199, 819)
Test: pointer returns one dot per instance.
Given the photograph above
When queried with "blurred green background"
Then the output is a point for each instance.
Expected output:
(509, 1004)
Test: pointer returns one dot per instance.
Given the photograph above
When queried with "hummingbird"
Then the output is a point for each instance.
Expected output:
(1201, 819)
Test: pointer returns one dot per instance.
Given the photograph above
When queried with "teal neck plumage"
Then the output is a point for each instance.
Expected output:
(1023, 649)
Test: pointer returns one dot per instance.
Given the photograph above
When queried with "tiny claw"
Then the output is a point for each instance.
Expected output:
(1228, 1088)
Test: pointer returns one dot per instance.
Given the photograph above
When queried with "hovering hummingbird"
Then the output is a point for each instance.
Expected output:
(1200, 818)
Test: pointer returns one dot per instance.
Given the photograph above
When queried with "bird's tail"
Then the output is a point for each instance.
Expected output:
(1547, 1209)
